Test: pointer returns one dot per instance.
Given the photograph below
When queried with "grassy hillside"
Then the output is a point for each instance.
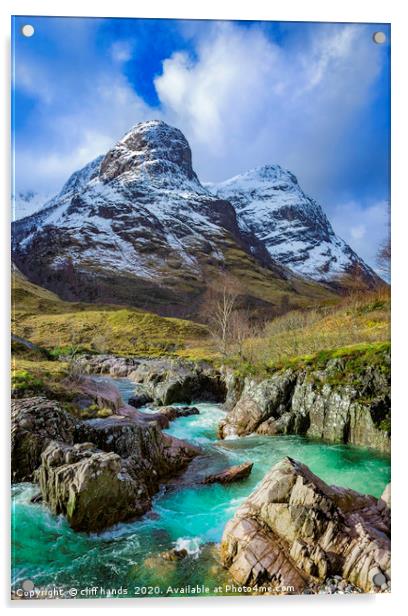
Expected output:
(46, 320)
(359, 321)
(56, 325)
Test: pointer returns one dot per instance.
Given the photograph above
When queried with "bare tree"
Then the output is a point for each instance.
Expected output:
(384, 252)
(76, 368)
(241, 330)
(218, 307)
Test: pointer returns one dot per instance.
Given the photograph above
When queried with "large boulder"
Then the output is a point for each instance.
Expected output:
(149, 452)
(34, 423)
(92, 488)
(167, 382)
(295, 530)
(112, 470)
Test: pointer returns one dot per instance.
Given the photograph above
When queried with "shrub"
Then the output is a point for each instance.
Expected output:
(93, 411)
(23, 382)
(105, 412)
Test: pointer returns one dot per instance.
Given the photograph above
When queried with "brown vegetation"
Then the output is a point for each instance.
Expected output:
(359, 318)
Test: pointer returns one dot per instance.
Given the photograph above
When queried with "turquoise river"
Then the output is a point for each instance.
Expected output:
(125, 560)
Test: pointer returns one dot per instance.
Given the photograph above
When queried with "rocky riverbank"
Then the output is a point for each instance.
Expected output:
(96, 472)
(162, 381)
(341, 399)
(296, 531)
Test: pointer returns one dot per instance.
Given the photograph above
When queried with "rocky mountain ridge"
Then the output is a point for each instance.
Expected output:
(294, 228)
(137, 227)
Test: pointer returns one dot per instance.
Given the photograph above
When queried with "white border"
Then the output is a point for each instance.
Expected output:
(289, 10)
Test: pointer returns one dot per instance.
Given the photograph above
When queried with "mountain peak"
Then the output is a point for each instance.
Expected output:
(153, 148)
(136, 226)
(265, 174)
(294, 228)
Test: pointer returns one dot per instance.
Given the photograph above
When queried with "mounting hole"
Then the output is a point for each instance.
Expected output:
(27, 30)
(379, 579)
(379, 38)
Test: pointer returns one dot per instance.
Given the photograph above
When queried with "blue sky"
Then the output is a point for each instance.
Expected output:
(312, 97)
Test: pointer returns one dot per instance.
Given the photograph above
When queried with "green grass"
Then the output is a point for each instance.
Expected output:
(51, 379)
(55, 325)
(60, 328)
(33, 377)
(356, 359)
(24, 382)
(358, 319)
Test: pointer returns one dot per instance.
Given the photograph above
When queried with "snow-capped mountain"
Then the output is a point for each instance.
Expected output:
(30, 202)
(270, 203)
(27, 202)
(136, 226)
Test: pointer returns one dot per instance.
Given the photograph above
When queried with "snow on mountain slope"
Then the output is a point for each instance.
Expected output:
(136, 226)
(25, 203)
(30, 202)
(270, 203)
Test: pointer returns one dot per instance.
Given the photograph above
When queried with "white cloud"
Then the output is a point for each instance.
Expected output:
(121, 51)
(241, 99)
(363, 226)
(217, 98)
(245, 101)
(358, 232)
(34, 80)
(80, 133)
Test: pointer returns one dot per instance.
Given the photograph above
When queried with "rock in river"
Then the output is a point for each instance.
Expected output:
(96, 472)
(111, 479)
(174, 412)
(234, 473)
(92, 488)
(143, 444)
(295, 530)
(174, 554)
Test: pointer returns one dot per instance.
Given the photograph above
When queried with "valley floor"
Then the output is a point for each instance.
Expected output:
(271, 381)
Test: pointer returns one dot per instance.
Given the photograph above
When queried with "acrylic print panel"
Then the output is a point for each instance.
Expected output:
(201, 357)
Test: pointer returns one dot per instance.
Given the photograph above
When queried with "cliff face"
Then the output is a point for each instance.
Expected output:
(347, 401)
(296, 531)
